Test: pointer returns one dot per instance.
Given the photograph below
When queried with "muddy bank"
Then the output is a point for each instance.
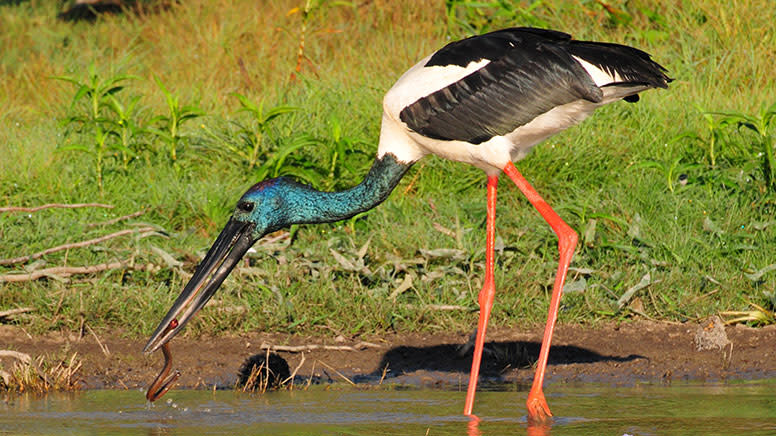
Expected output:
(611, 353)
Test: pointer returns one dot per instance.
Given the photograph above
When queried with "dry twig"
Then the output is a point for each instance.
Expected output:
(12, 312)
(338, 373)
(103, 347)
(61, 271)
(440, 307)
(302, 348)
(312, 374)
(115, 220)
(293, 374)
(26, 360)
(385, 372)
(52, 205)
(22, 357)
(40, 254)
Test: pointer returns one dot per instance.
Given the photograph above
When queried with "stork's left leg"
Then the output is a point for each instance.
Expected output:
(567, 241)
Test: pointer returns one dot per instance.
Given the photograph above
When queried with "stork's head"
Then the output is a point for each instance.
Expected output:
(261, 210)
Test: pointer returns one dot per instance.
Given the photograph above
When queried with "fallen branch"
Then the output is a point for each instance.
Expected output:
(115, 220)
(26, 360)
(438, 307)
(280, 236)
(302, 348)
(61, 271)
(51, 205)
(645, 281)
(405, 285)
(12, 312)
(40, 254)
(385, 372)
(293, 374)
(23, 357)
(103, 347)
(446, 307)
(338, 373)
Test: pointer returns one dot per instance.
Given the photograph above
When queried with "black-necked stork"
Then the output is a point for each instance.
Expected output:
(485, 101)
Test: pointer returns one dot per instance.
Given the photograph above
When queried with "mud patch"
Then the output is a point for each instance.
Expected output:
(611, 353)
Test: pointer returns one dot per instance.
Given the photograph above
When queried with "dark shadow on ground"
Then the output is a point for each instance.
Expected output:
(497, 358)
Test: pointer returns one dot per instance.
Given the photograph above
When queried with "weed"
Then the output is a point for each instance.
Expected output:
(673, 170)
(312, 10)
(40, 375)
(170, 124)
(252, 136)
(95, 96)
(263, 157)
(282, 160)
(762, 124)
(126, 127)
(715, 131)
(758, 316)
(339, 152)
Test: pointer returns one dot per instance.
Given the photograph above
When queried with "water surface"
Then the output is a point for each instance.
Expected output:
(727, 409)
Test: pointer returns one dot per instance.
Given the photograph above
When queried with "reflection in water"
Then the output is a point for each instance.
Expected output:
(533, 429)
(159, 431)
(474, 426)
(539, 428)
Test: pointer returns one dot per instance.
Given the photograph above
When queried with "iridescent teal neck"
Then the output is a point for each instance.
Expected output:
(307, 205)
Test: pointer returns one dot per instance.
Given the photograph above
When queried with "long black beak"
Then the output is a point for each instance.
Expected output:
(230, 246)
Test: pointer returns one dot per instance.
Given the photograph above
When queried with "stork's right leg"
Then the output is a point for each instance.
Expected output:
(487, 294)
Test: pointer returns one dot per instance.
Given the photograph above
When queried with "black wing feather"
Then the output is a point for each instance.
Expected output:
(530, 72)
(528, 75)
(633, 65)
(490, 46)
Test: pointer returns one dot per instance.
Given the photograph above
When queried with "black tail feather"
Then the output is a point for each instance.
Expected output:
(632, 64)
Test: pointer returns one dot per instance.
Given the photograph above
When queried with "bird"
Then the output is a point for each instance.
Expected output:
(486, 101)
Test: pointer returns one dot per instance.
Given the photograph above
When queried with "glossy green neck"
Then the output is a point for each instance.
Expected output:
(307, 205)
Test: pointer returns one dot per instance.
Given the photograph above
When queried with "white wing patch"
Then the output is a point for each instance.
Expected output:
(547, 124)
(420, 81)
(600, 76)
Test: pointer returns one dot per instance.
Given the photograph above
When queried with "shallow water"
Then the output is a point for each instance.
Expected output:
(334, 410)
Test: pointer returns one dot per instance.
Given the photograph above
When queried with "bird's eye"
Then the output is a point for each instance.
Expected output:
(245, 206)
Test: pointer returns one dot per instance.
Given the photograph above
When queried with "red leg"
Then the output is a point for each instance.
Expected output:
(486, 296)
(567, 241)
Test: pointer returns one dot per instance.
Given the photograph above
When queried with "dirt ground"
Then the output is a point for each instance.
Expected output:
(615, 354)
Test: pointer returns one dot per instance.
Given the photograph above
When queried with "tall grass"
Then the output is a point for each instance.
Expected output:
(615, 178)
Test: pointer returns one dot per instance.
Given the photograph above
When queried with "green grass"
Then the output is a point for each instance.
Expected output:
(615, 178)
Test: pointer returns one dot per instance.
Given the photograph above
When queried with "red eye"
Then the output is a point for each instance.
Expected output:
(173, 323)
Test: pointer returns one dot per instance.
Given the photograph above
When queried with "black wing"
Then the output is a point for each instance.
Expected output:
(634, 66)
(530, 72)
